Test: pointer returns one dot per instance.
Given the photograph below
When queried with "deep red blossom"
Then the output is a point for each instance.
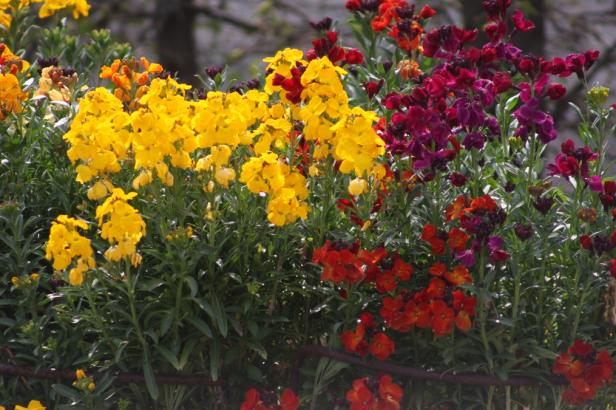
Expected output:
(381, 346)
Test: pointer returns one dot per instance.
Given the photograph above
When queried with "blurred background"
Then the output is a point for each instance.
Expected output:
(187, 35)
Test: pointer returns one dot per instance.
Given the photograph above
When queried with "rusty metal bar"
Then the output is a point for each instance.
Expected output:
(415, 373)
(120, 378)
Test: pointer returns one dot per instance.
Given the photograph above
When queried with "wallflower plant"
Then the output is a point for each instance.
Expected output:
(393, 201)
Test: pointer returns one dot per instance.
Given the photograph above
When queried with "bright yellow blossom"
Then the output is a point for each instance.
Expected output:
(33, 405)
(121, 225)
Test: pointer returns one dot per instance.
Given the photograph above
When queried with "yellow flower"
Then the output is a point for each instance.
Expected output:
(33, 405)
(80, 374)
(50, 7)
(121, 225)
(65, 244)
(358, 186)
(11, 95)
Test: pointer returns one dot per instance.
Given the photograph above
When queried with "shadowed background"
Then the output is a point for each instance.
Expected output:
(187, 35)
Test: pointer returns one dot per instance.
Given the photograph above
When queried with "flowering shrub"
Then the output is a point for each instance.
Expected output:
(394, 202)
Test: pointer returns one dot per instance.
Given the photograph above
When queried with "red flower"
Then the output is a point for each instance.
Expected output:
(252, 401)
(360, 396)
(426, 12)
(463, 321)
(373, 87)
(351, 340)
(457, 240)
(364, 396)
(389, 393)
(463, 302)
(353, 5)
(381, 346)
(580, 348)
(436, 288)
(442, 318)
(353, 56)
(456, 209)
(289, 400)
(401, 269)
(520, 22)
(567, 366)
(385, 282)
(586, 242)
(438, 269)
(429, 235)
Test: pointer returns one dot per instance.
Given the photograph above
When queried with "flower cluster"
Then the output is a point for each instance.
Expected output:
(121, 225)
(11, 93)
(25, 280)
(66, 243)
(368, 393)
(256, 400)
(57, 83)
(586, 370)
(130, 77)
(83, 381)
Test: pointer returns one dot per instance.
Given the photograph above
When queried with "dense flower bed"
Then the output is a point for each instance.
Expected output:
(395, 201)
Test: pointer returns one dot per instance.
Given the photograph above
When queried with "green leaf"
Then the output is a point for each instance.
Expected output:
(148, 374)
(219, 316)
(201, 325)
(170, 357)
(215, 359)
(66, 391)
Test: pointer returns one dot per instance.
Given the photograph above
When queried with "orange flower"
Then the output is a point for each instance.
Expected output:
(459, 276)
(457, 240)
(456, 210)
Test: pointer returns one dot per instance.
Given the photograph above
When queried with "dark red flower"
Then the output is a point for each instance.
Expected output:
(556, 91)
(520, 23)
(373, 87)
(381, 346)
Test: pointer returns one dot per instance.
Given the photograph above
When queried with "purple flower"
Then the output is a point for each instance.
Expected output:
(474, 140)
(495, 247)
(467, 258)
